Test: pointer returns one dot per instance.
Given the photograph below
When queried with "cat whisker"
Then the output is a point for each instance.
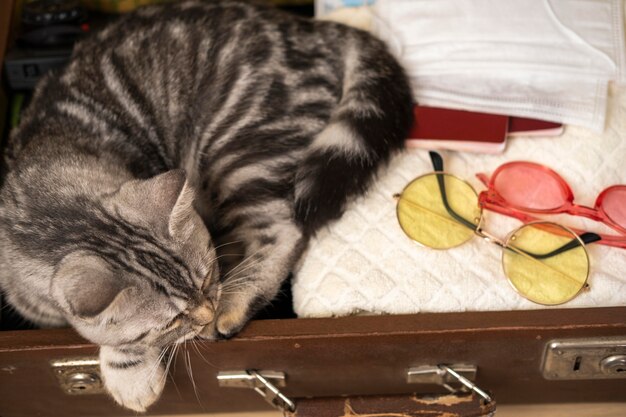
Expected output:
(157, 363)
(235, 290)
(258, 292)
(175, 360)
(212, 261)
(186, 357)
(247, 283)
(190, 373)
(169, 360)
(228, 243)
(205, 347)
(238, 271)
(174, 356)
(239, 276)
(175, 385)
(233, 293)
(216, 258)
(244, 282)
(235, 283)
(195, 345)
(243, 264)
(171, 371)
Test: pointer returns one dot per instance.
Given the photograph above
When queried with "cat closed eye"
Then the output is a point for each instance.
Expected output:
(174, 323)
(206, 284)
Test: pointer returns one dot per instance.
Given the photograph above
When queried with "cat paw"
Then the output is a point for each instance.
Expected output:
(230, 321)
(135, 387)
(137, 391)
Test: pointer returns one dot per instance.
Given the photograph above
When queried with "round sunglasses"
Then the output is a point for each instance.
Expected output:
(517, 188)
(545, 262)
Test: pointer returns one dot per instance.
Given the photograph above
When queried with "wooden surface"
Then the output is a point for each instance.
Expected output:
(330, 357)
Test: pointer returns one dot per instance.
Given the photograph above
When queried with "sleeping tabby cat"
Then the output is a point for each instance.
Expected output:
(176, 133)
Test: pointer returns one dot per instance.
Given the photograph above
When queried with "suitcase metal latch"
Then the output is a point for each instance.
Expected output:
(265, 383)
(588, 358)
(78, 376)
(446, 375)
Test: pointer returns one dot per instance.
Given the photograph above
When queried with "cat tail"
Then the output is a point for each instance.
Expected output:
(370, 122)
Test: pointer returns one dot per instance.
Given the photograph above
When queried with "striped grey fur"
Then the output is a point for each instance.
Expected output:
(164, 184)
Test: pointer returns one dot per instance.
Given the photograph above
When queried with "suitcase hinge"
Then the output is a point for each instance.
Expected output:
(263, 382)
(446, 375)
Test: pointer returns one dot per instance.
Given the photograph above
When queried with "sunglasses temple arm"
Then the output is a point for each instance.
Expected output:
(483, 178)
(437, 162)
(573, 244)
(589, 237)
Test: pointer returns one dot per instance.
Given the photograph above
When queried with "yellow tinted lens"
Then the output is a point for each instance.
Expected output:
(424, 217)
(541, 278)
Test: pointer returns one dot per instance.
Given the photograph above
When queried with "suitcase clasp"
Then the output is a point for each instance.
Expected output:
(265, 383)
(446, 375)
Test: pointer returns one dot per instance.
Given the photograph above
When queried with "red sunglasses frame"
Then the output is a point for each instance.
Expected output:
(491, 199)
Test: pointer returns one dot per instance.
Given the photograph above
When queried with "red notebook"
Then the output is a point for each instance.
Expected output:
(439, 128)
(521, 126)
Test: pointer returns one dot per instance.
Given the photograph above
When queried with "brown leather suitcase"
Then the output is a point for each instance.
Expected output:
(334, 357)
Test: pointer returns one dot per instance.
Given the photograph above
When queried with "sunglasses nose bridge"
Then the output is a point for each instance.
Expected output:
(585, 211)
(489, 237)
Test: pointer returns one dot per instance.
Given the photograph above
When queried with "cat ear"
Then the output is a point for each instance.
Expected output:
(164, 191)
(85, 286)
(179, 223)
(165, 197)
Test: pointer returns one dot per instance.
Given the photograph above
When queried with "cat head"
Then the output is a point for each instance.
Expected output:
(154, 277)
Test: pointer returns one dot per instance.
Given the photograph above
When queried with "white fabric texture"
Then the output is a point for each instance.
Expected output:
(549, 59)
(363, 263)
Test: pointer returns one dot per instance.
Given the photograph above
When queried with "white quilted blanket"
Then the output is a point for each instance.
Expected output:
(364, 263)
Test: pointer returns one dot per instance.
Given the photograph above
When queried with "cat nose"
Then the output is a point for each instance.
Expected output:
(203, 314)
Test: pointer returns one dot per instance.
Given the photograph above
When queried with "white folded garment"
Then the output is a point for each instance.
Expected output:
(549, 59)
(365, 263)
(571, 100)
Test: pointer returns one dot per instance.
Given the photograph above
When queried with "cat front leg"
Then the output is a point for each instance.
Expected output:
(270, 254)
(133, 376)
